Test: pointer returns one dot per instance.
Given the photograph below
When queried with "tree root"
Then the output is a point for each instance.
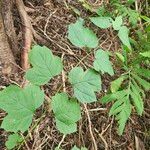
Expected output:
(29, 33)
(7, 26)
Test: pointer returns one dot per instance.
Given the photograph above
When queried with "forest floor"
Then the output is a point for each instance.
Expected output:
(50, 20)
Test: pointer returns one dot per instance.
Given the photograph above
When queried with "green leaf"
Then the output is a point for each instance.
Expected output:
(110, 97)
(142, 82)
(85, 84)
(45, 65)
(102, 62)
(75, 148)
(143, 72)
(67, 113)
(115, 85)
(81, 36)
(117, 23)
(123, 116)
(120, 56)
(117, 106)
(101, 11)
(133, 16)
(65, 110)
(124, 36)
(13, 140)
(121, 108)
(66, 128)
(20, 105)
(147, 19)
(138, 88)
(137, 100)
(146, 54)
(102, 22)
(125, 54)
(130, 2)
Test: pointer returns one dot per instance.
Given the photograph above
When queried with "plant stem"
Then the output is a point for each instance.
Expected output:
(61, 141)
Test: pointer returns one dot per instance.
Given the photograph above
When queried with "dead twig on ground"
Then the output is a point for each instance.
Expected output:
(90, 127)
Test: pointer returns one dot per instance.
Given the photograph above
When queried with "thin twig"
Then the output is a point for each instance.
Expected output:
(90, 127)
(101, 136)
(24, 140)
(98, 109)
(63, 75)
(61, 141)
(47, 21)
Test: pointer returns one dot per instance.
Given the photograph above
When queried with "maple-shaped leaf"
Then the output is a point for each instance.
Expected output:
(85, 84)
(20, 104)
(45, 65)
(81, 36)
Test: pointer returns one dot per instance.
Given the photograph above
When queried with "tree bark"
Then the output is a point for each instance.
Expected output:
(7, 7)
(7, 60)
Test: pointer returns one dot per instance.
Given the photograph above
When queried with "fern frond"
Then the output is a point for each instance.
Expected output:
(110, 97)
(121, 109)
(137, 99)
(145, 84)
(143, 72)
(123, 116)
(125, 99)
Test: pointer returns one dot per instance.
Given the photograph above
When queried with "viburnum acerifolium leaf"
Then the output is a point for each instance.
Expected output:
(20, 105)
(44, 65)
(85, 84)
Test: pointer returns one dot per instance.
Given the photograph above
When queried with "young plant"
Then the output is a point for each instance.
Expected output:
(126, 11)
(117, 24)
(21, 103)
(128, 91)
